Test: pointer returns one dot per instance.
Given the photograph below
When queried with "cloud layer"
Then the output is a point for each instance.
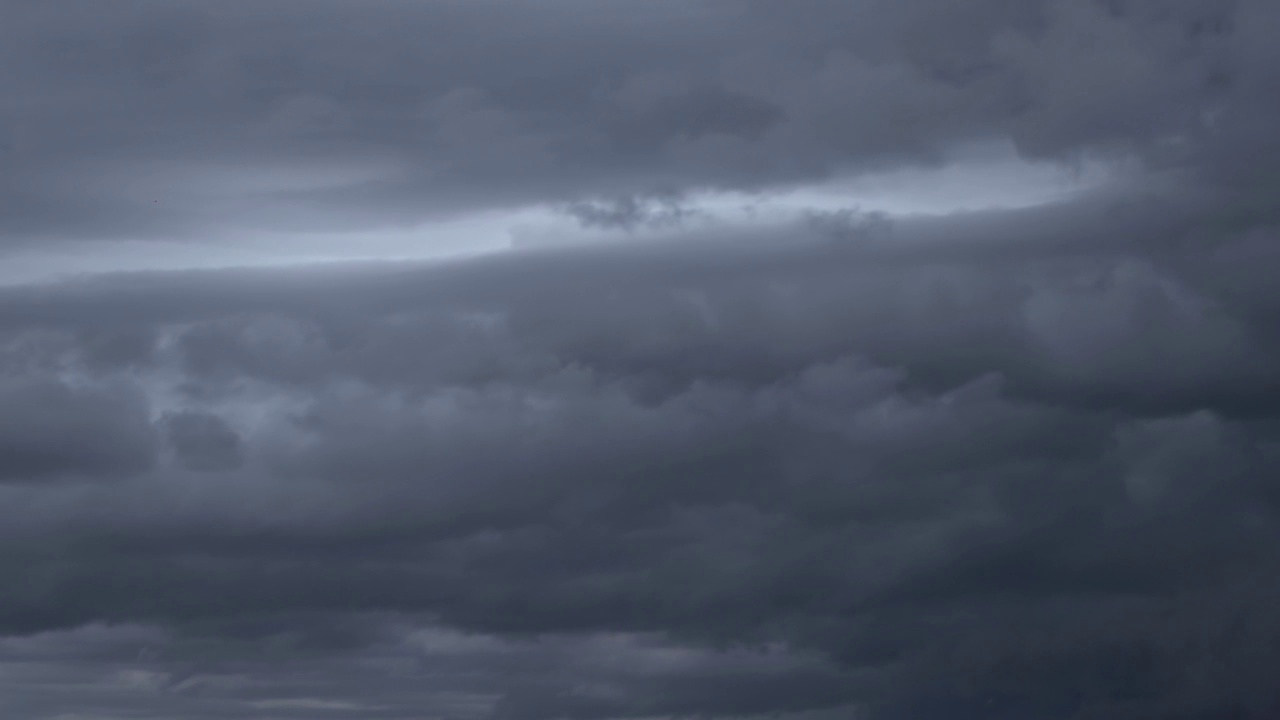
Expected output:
(1017, 462)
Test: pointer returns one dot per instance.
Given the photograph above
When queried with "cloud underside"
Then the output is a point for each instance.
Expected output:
(212, 121)
(783, 475)
(1011, 463)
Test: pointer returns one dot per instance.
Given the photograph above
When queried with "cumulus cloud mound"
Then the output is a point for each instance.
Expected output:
(1017, 462)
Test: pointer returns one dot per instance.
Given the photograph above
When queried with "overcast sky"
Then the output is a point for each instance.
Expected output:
(639, 359)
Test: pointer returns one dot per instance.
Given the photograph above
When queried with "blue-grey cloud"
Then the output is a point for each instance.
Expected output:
(1002, 463)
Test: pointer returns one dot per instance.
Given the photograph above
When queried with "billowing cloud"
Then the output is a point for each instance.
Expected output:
(749, 457)
(117, 121)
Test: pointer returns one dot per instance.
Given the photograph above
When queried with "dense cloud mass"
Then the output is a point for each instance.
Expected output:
(706, 458)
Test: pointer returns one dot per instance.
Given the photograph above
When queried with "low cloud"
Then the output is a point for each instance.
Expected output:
(1013, 462)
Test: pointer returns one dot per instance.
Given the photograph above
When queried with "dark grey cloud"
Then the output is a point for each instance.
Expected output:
(53, 430)
(850, 225)
(192, 119)
(203, 441)
(1002, 463)
(631, 212)
(952, 467)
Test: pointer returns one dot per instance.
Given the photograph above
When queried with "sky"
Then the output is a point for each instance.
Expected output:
(639, 360)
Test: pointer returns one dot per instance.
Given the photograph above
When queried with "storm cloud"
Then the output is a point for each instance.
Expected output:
(811, 360)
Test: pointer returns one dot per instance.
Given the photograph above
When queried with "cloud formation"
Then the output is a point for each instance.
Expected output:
(1014, 462)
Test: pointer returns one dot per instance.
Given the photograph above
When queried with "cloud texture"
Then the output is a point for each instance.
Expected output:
(1011, 462)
